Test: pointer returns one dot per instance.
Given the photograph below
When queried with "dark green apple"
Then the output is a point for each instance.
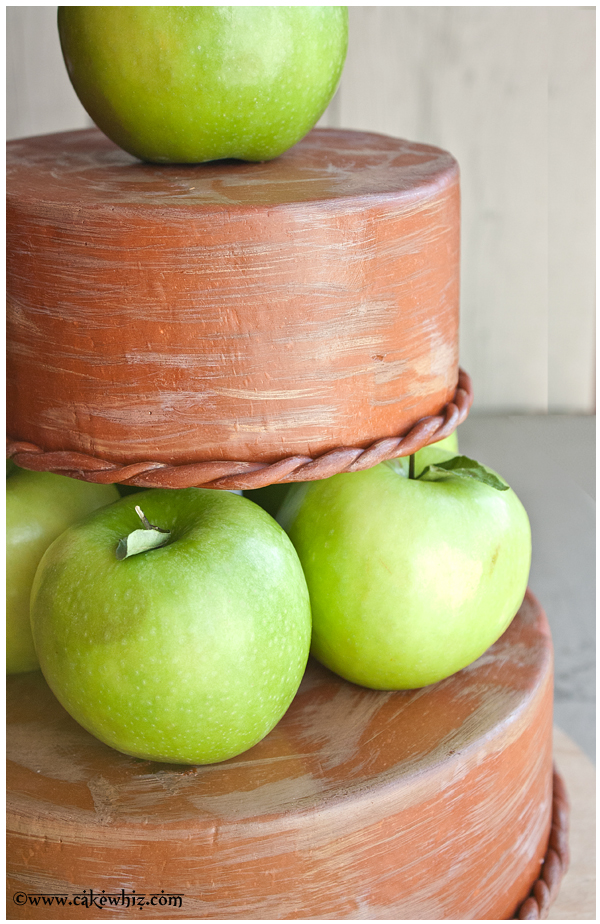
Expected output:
(189, 652)
(410, 579)
(39, 507)
(270, 498)
(185, 84)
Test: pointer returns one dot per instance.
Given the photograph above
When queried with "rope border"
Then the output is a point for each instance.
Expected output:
(248, 475)
(556, 862)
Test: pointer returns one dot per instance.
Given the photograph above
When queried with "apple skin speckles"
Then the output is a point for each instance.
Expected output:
(195, 84)
(186, 653)
(409, 580)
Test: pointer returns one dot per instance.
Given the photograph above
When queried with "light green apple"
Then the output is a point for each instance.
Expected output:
(272, 496)
(39, 507)
(448, 444)
(189, 652)
(410, 579)
(186, 84)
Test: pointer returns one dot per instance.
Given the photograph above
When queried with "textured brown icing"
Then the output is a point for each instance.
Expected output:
(430, 804)
(229, 311)
(556, 862)
(243, 475)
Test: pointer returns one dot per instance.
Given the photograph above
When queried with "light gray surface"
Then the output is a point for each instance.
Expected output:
(550, 463)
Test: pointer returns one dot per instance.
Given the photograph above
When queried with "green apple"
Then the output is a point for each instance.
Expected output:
(448, 444)
(410, 579)
(189, 652)
(125, 489)
(186, 84)
(272, 497)
(39, 507)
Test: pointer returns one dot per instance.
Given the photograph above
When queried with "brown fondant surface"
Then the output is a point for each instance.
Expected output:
(429, 804)
(229, 311)
(243, 475)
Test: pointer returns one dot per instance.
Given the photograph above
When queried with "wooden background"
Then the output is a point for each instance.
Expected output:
(510, 92)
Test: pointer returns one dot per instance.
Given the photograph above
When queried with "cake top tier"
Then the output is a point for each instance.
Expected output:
(85, 168)
(228, 312)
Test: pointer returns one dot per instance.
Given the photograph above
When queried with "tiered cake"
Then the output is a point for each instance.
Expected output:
(236, 325)
(229, 312)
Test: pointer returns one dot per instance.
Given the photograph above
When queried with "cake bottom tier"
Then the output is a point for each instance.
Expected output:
(426, 804)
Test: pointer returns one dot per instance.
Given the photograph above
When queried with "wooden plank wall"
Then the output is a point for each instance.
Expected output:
(510, 91)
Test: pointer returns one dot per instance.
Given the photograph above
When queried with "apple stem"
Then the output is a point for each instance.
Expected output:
(145, 522)
(411, 466)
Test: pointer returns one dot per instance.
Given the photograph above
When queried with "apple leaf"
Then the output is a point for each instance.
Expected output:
(464, 468)
(142, 540)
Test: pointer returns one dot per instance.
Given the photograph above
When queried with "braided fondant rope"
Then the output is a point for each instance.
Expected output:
(556, 862)
(247, 475)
